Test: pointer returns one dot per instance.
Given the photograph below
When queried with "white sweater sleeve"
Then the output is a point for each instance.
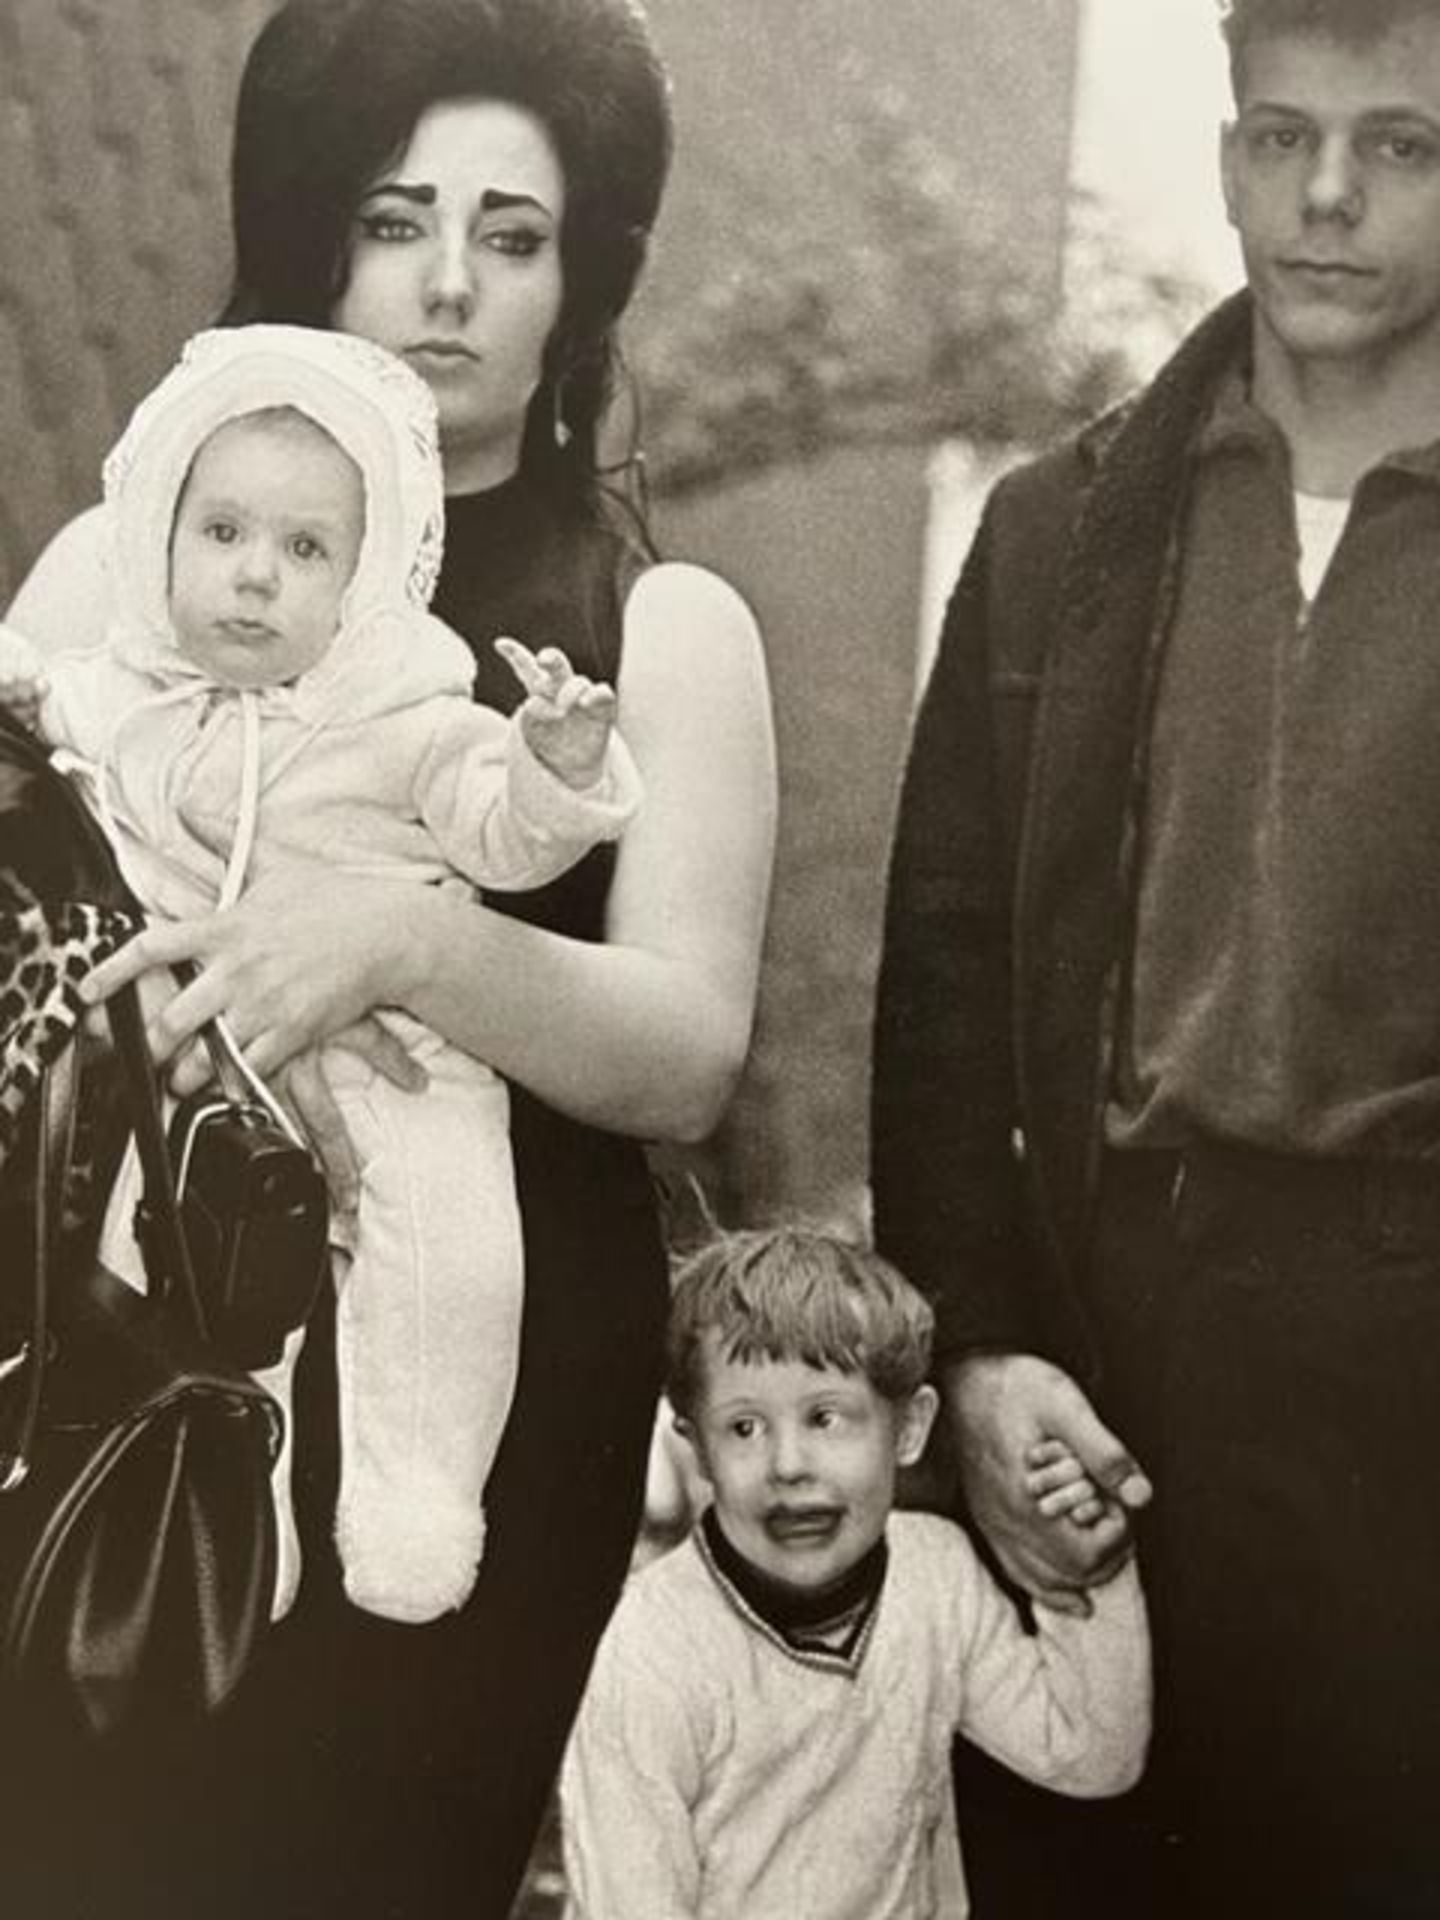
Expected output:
(1067, 1706)
(631, 1778)
(502, 818)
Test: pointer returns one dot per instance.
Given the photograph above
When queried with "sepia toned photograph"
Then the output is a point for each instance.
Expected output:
(719, 781)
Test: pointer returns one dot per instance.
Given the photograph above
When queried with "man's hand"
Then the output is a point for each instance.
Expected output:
(1004, 1406)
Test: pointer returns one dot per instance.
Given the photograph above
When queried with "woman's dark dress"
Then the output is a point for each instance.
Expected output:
(379, 1770)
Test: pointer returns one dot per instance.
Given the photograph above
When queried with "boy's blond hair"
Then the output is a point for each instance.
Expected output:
(796, 1293)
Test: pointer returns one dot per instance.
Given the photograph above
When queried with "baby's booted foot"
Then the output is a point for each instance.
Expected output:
(409, 1558)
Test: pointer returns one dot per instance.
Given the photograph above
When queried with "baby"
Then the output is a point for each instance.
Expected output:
(768, 1725)
(274, 693)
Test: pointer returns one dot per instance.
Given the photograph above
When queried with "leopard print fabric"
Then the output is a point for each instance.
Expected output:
(45, 952)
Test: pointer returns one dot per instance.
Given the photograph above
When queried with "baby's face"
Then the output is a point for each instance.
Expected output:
(802, 1462)
(267, 533)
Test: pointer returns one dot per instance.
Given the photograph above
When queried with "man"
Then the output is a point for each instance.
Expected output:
(1157, 1078)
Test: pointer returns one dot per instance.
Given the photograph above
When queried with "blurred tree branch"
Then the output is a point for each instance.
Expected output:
(922, 317)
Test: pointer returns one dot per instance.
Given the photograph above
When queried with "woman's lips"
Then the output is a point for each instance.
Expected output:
(441, 352)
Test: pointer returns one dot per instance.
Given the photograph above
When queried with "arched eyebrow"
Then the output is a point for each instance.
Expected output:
(417, 196)
(492, 200)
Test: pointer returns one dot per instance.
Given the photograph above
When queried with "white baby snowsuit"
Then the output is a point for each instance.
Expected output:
(374, 762)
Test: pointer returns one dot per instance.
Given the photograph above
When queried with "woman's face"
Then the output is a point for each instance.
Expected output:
(455, 265)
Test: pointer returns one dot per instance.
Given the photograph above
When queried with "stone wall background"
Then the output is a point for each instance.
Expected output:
(114, 143)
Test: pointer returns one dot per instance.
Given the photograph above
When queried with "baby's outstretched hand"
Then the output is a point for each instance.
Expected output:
(1060, 1486)
(566, 719)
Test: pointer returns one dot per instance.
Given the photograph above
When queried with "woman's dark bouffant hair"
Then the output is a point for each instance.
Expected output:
(330, 97)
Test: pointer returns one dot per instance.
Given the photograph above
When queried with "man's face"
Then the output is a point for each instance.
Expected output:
(1331, 173)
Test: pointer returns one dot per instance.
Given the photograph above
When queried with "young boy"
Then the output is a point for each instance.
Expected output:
(274, 693)
(767, 1729)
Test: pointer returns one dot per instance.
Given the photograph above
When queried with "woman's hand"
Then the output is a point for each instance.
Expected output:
(296, 960)
(308, 1098)
(281, 967)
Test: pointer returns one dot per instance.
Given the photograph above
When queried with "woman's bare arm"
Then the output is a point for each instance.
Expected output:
(645, 1034)
(65, 599)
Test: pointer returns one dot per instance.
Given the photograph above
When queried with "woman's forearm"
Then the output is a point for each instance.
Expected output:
(631, 1040)
(65, 599)
(646, 1034)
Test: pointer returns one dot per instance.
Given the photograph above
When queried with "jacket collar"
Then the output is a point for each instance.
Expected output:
(1190, 376)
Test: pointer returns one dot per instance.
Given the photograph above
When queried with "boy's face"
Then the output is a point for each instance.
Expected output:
(267, 534)
(1332, 178)
(802, 1461)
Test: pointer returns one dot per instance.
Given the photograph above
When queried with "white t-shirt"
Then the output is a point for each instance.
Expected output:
(1319, 521)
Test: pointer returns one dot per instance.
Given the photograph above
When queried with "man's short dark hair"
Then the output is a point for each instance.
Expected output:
(1352, 22)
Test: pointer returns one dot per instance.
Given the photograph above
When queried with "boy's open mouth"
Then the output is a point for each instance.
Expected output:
(803, 1523)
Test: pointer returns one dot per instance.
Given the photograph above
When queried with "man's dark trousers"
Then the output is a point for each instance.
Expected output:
(1271, 1333)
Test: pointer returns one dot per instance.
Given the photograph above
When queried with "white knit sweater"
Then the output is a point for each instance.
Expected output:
(716, 1774)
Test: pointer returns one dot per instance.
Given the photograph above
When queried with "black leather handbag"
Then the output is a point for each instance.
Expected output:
(137, 1541)
(254, 1207)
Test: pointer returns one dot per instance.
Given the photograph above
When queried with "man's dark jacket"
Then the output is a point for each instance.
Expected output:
(1012, 885)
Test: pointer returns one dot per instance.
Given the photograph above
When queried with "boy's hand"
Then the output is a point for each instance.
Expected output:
(1059, 1485)
(566, 719)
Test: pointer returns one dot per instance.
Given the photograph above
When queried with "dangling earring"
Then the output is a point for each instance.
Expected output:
(559, 427)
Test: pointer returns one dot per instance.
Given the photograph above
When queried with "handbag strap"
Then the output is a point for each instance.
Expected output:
(57, 1103)
(167, 1255)
(234, 1075)
(162, 1238)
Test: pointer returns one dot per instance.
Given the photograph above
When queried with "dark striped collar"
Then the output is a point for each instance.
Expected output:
(829, 1629)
